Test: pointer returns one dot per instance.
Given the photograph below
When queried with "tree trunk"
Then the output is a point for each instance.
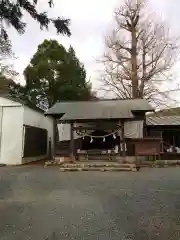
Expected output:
(134, 65)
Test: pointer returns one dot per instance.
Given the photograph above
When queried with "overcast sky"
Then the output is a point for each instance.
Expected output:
(90, 20)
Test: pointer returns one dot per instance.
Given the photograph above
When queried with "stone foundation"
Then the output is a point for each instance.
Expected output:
(127, 159)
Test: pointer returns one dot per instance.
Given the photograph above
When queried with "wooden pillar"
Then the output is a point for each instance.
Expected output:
(72, 142)
(174, 143)
(54, 140)
(162, 142)
(123, 139)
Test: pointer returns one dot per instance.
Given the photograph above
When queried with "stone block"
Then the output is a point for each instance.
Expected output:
(62, 170)
(119, 159)
(130, 159)
(134, 170)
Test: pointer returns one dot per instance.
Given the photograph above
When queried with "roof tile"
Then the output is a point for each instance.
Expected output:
(101, 109)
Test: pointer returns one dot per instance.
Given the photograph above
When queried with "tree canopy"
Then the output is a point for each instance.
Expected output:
(54, 74)
(6, 71)
(12, 13)
(6, 54)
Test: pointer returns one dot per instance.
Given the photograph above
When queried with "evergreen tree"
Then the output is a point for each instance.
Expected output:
(12, 12)
(54, 74)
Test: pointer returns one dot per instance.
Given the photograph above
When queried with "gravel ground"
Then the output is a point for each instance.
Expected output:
(42, 203)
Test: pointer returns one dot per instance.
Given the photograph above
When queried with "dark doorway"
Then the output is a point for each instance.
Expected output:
(98, 143)
(35, 141)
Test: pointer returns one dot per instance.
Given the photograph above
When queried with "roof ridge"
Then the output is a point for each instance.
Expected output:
(101, 100)
(165, 116)
(27, 103)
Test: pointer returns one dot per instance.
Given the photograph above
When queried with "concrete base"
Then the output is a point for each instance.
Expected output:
(127, 159)
(61, 160)
(34, 159)
(168, 162)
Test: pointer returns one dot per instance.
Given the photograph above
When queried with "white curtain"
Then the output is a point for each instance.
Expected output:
(133, 129)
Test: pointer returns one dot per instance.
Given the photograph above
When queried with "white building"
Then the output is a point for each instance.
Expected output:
(24, 133)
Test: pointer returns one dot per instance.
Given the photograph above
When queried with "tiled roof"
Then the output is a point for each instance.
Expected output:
(100, 109)
(163, 120)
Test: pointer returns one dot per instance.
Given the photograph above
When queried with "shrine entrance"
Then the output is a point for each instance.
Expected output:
(99, 141)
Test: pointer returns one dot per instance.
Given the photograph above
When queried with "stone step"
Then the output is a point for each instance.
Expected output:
(98, 157)
(93, 158)
(92, 166)
(96, 165)
(106, 169)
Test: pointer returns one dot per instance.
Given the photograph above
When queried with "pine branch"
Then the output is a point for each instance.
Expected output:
(11, 13)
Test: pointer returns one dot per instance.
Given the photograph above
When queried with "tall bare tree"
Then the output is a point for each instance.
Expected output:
(140, 54)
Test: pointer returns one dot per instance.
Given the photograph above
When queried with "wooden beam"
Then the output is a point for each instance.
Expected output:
(162, 141)
(72, 142)
(174, 143)
(94, 128)
(123, 139)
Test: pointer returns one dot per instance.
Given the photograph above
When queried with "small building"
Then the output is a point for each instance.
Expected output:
(24, 132)
(103, 127)
(168, 129)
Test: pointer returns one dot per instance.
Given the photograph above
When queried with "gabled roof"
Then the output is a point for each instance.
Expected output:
(23, 102)
(100, 109)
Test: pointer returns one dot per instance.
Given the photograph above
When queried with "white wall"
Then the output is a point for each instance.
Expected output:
(37, 119)
(11, 135)
(12, 117)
